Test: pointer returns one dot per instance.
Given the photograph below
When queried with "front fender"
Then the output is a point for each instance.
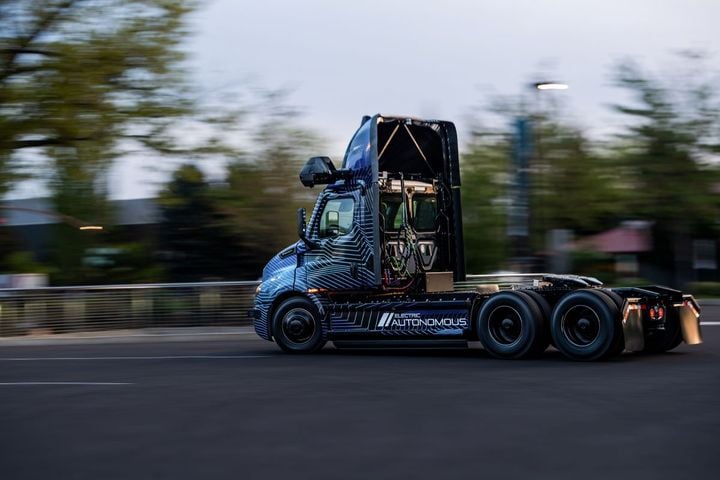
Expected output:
(271, 293)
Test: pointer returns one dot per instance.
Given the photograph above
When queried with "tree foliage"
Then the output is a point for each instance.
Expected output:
(670, 146)
(662, 168)
(670, 156)
(485, 170)
(80, 80)
(574, 185)
(194, 243)
(243, 220)
(82, 83)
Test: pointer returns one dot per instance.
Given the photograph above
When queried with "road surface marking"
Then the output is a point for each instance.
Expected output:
(10, 384)
(169, 357)
(709, 324)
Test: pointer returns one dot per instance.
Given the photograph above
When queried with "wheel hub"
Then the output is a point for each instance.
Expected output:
(298, 325)
(581, 325)
(505, 325)
(584, 324)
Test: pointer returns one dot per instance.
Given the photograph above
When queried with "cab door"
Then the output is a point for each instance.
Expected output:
(344, 224)
(341, 258)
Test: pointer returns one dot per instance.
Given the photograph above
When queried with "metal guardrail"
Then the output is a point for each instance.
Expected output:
(55, 310)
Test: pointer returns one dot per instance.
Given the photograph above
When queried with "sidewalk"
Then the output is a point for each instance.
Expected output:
(180, 334)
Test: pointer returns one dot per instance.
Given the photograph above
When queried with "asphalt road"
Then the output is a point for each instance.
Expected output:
(241, 409)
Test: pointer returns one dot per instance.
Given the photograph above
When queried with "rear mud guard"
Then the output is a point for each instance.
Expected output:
(632, 325)
(689, 313)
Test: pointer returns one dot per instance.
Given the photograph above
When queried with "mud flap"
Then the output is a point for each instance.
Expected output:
(689, 314)
(632, 325)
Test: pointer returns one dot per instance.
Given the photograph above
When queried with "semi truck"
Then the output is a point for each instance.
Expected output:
(381, 262)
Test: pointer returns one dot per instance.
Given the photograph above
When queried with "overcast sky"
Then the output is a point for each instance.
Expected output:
(434, 58)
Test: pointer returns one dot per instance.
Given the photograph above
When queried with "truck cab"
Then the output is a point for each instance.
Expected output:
(389, 214)
(381, 258)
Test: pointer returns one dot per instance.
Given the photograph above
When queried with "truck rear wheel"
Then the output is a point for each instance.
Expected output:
(546, 311)
(585, 325)
(297, 327)
(619, 302)
(509, 325)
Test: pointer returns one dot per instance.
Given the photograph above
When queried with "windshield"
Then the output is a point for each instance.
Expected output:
(357, 146)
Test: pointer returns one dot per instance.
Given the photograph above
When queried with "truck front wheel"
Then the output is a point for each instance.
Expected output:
(509, 325)
(297, 327)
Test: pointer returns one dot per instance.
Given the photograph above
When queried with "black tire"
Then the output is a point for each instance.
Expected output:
(297, 327)
(546, 311)
(617, 299)
(619, 303)
(658, 341)
(585, 325)
(509, 325)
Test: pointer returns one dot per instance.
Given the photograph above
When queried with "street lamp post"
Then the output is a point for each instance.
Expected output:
(519, 214)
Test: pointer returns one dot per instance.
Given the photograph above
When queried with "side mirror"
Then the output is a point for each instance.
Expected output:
(317, 170)
(301, 214)
(320, 171)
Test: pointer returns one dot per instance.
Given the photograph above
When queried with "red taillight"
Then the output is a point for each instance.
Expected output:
(656, 312)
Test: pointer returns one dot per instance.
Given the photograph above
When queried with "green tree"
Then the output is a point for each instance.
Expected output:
(247, 218)
(195, 245)
(80, 77)
(669, 152)
(574, 183)
(485, 176)
(279, 148)
(83, 82)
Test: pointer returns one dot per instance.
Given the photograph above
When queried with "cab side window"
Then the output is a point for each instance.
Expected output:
(337, 217)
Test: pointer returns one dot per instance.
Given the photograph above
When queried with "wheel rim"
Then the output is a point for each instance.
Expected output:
(581, 325)
(505, 325)
(298, 325)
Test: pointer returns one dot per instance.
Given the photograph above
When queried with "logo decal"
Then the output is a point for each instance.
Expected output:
(415, 320)
(385, 319)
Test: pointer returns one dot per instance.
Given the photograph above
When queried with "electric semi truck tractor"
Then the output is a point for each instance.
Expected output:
(381, 261)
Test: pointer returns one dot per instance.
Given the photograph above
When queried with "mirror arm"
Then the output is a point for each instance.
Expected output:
(309, 243)
(301, 229)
